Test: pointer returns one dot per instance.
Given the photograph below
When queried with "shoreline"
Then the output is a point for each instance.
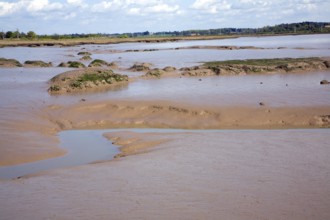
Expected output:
(102, 41)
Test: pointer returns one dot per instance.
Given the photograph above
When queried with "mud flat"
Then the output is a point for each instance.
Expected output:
(266, 109)
(230, 174)
(85, 80)
(258, 66)
(153, 114)
(259, 173)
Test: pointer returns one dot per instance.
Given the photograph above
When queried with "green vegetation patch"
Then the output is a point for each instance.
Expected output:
(86, 57)
(141, 67)
(98, 77)
(84, 80)
(83, 53)
(72, 64)
(9, 62)
(251, 66)
(38, 63)
(155, 73)
(261, 62)
(76, 64)
(54, 88)
(98, 63)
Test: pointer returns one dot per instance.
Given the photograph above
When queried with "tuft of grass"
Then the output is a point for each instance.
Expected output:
(281, 62)
(98, 63)
(155, 73)
(76, 84)
(76, 64)
(83, 53)
(86, 57)
(62, 65)
(106, 76)
(55, 88)
(72, 64)
(38, 63)
(13, 62)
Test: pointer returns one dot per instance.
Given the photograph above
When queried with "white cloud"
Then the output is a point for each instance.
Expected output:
(43, 5)
(135, 7)
(108, 5)
(36, 5)
(140, 2)
(211, 6)
(74, 2)
(162, 8)
(203, 4)
(7, 8)
(134, 11)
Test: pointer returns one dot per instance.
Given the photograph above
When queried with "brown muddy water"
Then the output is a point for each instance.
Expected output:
(23, 90)
(89, 146)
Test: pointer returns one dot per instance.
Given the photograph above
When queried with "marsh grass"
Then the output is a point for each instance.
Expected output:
(98, 63)
(54, 88)
(155, 73)
(38, 63)
(84, 53)
(4, 61)
(98, 77)
(261, 62)
(72, 64)
(86, 57)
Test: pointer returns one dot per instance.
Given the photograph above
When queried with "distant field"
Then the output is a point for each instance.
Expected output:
(103, 40)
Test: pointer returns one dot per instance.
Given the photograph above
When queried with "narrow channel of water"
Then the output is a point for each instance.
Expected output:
(83, 146)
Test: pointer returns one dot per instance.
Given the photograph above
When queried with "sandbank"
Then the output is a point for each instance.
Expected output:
(44, 124)
(162, 114)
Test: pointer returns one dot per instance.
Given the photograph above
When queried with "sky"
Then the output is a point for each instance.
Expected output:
(120, 16)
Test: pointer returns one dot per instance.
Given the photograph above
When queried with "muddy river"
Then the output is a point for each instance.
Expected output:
(25, 89)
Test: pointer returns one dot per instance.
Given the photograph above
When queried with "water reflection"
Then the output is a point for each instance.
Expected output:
(83, 147)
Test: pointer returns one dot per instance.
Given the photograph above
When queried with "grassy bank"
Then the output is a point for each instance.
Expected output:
(102, 40)
(262, 62)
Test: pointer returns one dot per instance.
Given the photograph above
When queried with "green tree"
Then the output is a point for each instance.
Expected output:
(31, 35)
(9, 34)
(2, 35)
(22, 35)
(16, 34)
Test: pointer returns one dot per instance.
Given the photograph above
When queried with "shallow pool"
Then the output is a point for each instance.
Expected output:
(83, 146)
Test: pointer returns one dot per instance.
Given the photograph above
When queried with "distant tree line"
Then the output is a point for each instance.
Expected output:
(17, 35)
(292, 28)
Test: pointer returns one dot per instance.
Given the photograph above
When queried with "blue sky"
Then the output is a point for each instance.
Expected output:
(119, 16)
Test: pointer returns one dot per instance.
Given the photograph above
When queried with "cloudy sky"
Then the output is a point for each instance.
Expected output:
(119, 16)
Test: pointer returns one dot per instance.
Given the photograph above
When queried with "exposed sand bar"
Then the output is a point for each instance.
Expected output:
(27, 136)
(32, 136)
(236, 175)
(161, 114)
